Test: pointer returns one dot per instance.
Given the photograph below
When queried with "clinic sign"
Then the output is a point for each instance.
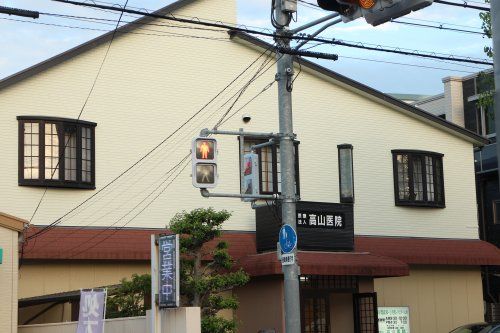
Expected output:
(168, 271)
(394, 319)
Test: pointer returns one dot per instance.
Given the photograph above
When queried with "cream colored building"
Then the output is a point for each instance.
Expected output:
(151, 83)
(10, 230)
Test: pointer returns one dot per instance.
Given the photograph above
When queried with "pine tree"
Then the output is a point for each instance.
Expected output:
(207, 272)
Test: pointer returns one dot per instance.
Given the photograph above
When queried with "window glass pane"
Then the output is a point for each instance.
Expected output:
(429, 175)
(86, 155)
(70, 155)
(489, 120)
(346, 174)
(418, 182)
(31, 151)
(403, 177)
(51, 151)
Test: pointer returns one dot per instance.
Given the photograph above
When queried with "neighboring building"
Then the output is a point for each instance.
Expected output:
(409, 98)
(459, 104)
(11, 229)
(406, 232)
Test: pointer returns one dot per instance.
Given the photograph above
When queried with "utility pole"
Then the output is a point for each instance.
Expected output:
(495, 26)
(287, 161)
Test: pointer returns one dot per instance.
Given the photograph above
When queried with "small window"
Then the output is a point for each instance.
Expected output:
(418, 178)
(269, 166)
(496, 211)
(56, 152)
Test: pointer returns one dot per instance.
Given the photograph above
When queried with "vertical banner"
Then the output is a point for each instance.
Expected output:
(251, 182)
(168, 271)
(92, 311)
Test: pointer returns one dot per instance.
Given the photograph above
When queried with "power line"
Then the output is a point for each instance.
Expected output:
(81, 112)
(443, 23)
(440, 27)
(59, 220)
(396, 50)
(160, 34)
(159, 186)
(464, 4)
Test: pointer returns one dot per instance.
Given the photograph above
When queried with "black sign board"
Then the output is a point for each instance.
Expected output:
(321, 226)
(168, 271)
(320, 220)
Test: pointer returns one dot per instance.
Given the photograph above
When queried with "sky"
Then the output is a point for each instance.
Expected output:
(24, 44)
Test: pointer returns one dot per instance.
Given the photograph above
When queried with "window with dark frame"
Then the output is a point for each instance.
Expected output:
(269, 166)
(418, 178)
(496, 211)
(56, 152)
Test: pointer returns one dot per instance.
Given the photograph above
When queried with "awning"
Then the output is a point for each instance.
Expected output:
(432, 251)
(374, 256)
(328, 263)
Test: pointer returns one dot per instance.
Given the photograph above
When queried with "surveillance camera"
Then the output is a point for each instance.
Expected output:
(246, 118)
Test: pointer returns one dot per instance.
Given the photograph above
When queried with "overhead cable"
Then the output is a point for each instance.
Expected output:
(395, 50)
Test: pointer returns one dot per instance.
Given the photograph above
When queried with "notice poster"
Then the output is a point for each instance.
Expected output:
(394, 319)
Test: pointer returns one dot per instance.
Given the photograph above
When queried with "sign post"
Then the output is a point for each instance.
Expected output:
(165, 270)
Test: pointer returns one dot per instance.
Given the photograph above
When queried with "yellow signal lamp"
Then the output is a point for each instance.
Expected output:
(367, 4)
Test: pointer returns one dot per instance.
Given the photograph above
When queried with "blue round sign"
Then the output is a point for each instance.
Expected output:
(287, 238)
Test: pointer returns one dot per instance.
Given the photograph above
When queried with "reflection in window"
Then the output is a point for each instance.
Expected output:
(31, 151)
(51, 152)
(86, 154)
(418, 178)
(70, 157)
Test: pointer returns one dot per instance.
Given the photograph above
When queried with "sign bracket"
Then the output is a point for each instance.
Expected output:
(206, 194)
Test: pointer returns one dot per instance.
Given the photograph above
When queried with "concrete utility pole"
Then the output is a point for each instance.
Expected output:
(495, 25)
(287, 160)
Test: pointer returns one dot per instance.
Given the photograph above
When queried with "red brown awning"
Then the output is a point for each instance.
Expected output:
(432, 251)
(328, 263)
(373, 256)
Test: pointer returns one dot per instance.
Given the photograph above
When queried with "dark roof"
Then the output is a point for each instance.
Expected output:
(373, 92)
(390, 253)
(33, 70)
(40, 67)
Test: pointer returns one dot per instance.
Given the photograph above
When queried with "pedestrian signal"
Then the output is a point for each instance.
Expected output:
(204, 160)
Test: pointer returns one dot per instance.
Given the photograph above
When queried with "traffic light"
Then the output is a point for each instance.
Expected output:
(204, 161)
(375, 12)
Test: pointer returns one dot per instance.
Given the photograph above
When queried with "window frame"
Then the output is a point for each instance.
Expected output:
(61, 124)
(422, 154)
(274, 171)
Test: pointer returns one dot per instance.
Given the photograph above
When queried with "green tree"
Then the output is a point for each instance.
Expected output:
(206, 272)
(131, 298)
(486, 83)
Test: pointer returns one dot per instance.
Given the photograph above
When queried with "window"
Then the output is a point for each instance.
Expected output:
(496, 211)
(418, 178)
(269, 166)
(56, 152)
(346, 174)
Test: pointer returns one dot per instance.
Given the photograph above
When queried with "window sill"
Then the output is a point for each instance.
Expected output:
(57, 184)
(420, 204)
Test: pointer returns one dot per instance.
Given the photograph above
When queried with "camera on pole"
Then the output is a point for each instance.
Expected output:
(375, 12)
(204, 162)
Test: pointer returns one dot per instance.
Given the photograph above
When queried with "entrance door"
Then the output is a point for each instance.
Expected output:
(315, 313)
(365, 313)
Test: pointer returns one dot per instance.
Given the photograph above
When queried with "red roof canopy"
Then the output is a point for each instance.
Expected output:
(373, 256)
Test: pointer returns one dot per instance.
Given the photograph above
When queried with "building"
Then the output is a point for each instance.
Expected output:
(459, 104)
(407, 235)
(10, 230)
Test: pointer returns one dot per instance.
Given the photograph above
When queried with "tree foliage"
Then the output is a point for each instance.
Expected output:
(130, 298)
(486, 82)
(206, 272)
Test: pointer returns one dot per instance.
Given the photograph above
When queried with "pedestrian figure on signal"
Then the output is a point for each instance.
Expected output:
(204, 149)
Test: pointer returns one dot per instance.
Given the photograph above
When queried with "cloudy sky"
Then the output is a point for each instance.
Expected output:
(25, 44)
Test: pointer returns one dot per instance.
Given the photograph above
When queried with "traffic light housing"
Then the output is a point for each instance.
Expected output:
(204, 162)
(375, 12)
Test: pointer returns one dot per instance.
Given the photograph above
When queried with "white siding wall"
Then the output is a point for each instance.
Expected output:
(150, 85)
